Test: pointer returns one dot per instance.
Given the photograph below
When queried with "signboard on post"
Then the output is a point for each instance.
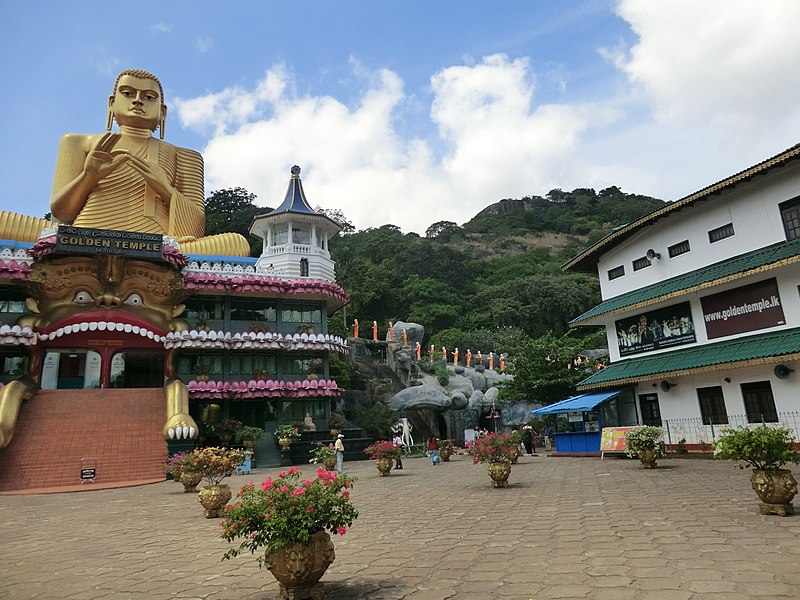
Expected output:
(612, 439)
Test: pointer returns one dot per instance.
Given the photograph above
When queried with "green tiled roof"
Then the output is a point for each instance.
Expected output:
(752, 349)
(720, 272)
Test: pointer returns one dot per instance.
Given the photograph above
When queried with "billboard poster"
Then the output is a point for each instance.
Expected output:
(655, 329)
(747, 308)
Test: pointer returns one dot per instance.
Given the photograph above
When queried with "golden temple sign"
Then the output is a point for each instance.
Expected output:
(80, 240)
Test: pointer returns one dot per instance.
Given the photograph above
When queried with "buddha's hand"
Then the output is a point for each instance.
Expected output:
(103, 159)
(180, 427)
(154, 175)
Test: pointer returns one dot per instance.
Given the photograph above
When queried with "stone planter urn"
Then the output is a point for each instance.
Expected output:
(514, 455)
(384, 466)
(647, 456)
(775, 489)
(445, 453)
(499, 472)
(285, 443)
(190, 479)
(299, 567)
(330, 463)
(214, 498)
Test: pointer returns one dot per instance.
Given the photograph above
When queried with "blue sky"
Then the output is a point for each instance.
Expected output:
(414, 112)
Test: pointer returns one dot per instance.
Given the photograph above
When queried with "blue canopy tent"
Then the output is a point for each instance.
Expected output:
(584, 422)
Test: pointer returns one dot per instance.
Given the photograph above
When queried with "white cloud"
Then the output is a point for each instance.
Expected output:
(495, 143)
(706, 90)
(161, 28)
(204, 44)
(712, 90)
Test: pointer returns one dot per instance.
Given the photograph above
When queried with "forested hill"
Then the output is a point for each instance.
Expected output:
(492, 282)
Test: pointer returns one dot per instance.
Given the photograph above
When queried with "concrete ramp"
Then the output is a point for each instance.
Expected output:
(116, 431)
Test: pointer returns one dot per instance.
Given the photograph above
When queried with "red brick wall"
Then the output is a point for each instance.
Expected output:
(56, 428)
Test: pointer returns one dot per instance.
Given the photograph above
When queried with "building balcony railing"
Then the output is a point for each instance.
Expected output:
(307, 249)
(253, 341)
(270, 388)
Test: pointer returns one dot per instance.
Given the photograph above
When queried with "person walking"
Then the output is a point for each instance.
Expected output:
(339, 447)
(398, 441)
(433, 450)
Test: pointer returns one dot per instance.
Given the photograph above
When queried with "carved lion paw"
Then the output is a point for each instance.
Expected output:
(180, 427)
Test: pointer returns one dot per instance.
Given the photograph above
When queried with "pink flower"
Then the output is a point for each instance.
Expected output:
(299, 491)
(341, 530)
(345, 494)
(267, 484)
(282, 474)
(294, 470)
(284, 489)
(310, 509)
(266, 516)
(307, 482)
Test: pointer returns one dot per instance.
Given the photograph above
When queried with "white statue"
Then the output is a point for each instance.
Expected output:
(309, 423)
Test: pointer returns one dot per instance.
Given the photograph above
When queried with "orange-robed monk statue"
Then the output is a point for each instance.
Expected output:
(130, 180)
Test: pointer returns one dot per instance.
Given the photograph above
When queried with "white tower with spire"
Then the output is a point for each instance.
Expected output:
(295, 237)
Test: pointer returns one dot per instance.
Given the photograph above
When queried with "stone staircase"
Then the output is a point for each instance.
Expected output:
(119, 428)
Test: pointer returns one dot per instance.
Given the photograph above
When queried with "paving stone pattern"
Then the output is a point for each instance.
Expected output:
(564, 528)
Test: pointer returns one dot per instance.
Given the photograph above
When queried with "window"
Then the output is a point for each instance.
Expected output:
(759, 403)
(720, 233)
(790, 215)
(651, 414)
(303, 267)
(641, 263)
(712, 405)
(616, 272)
(678, 249)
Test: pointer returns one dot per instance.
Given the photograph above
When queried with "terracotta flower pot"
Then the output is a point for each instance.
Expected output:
(299, 567)
(775, 489)
(214, 498)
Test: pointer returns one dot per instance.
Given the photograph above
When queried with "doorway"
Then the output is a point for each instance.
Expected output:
(137, 369)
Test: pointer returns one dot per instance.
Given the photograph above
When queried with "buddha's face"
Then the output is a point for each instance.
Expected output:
(137, 102)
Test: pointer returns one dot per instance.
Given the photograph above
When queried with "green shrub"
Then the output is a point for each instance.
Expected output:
(762, 447)
(644, 438)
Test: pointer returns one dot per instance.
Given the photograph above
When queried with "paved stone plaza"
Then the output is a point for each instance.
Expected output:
(565, 528)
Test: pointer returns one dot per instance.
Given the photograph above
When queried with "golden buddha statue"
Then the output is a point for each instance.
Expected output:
(130, 180)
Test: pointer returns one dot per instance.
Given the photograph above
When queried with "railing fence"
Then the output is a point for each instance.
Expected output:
(696, 431)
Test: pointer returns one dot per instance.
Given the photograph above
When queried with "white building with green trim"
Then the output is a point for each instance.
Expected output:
(701, 306)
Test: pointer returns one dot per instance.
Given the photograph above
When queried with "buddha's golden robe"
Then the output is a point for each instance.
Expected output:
(122, 200)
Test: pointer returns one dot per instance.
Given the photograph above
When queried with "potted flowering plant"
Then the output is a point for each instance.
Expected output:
(323, 454)
(446, 449)
(174, 464)
(646, 443)
(248, 435)
(286, 434)
(214, 465)
(292, 518)
(495, 449)
(335, 423)
(765, 449)
(228, 430)
(383, 453)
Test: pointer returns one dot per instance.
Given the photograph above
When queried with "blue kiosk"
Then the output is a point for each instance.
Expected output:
(580, 420)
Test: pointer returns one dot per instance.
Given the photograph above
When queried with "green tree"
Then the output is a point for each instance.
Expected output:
(232, 210)
(544, 370)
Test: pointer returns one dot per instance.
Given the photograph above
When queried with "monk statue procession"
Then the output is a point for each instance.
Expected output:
(123, 181)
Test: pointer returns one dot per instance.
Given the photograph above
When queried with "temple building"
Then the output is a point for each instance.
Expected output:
(701, 307)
